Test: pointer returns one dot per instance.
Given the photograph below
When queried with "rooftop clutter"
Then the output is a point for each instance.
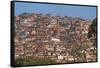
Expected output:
(63, 39)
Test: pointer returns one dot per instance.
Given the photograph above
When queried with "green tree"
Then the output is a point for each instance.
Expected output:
(92, 31)
(92, 28)
(33, 61)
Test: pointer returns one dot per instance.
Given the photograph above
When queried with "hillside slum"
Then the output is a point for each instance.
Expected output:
(63, 39)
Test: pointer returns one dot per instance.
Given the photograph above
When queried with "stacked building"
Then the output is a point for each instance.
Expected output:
(57, 37)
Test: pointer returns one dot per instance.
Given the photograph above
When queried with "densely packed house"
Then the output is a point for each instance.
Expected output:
(63, 39)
